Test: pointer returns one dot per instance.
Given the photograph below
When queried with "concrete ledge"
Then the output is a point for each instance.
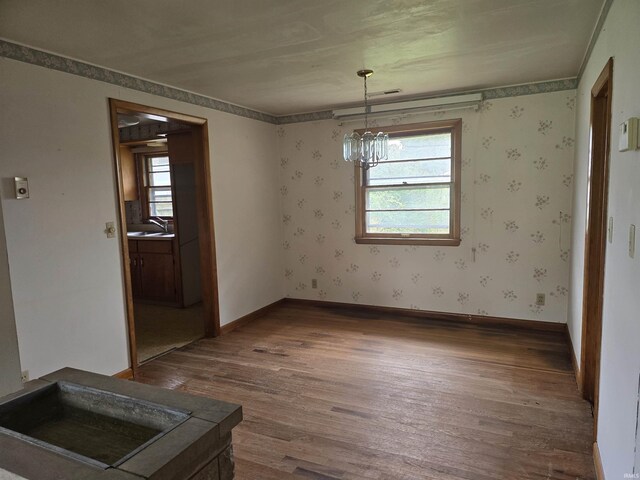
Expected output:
(199, 445)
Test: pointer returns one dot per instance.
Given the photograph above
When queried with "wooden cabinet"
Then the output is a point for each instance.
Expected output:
(153, 272)
(134, 268)
(157, 277)
(129, 173)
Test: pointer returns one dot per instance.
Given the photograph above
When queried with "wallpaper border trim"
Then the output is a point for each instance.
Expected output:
(467, 318)
(488, 94)
(22, 53)
(33, 56)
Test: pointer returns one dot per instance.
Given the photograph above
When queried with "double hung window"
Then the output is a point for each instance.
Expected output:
(157, 186)
(413, 197)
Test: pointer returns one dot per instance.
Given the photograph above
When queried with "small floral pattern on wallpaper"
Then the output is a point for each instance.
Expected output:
(516, 217)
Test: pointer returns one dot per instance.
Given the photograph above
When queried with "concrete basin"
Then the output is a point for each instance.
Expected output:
(87, 424)
(77, 425)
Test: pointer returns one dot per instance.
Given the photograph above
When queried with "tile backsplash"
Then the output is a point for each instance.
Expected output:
(133, 211)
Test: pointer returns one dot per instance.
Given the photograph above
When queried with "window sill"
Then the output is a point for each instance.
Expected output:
(442, 242)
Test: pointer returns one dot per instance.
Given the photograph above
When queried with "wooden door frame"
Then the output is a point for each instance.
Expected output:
(208, 266)
(596, 236)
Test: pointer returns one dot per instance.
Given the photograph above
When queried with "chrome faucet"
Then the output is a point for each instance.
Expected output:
(160, 222)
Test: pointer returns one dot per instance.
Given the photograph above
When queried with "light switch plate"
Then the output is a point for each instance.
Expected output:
(628, 139)
(110, 230)
(632, 241)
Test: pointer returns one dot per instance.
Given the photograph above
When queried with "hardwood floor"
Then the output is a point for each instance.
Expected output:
(337, 394)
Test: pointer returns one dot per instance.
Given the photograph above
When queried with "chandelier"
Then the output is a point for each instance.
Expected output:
(365, 150)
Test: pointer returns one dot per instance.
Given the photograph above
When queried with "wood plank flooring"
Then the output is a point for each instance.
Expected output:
(338, 394)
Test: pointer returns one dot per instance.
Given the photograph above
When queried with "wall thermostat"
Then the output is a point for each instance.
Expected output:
(22, 187)
(628, 135)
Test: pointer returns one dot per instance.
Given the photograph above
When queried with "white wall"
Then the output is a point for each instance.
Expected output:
(516, 172)
(9, 356)
(620, 358)
(66, 275)
(247, 215)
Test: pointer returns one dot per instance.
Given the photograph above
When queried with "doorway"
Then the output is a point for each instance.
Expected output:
(596, 235)
(166, 225)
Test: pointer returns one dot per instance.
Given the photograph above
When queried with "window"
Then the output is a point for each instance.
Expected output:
(414, 196)
(157, 186)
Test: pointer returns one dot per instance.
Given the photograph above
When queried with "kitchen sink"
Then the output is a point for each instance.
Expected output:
(150, 234)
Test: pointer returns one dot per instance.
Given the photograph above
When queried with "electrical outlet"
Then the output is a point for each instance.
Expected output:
(314, 283)
(540, 299)
(25, 376)
(22, 187)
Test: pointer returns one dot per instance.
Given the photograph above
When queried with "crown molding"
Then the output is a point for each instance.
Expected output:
(487, 94)
(23, 53)
(33, 56)
(594, 37)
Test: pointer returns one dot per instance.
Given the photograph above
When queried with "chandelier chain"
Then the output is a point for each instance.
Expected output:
(366, 106)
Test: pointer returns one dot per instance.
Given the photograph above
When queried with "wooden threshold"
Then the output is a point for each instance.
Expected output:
(125, 374)
(426, 314)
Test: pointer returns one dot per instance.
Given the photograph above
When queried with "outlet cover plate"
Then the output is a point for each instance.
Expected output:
(22, 187)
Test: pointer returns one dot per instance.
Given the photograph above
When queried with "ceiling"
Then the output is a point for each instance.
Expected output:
(292, 56)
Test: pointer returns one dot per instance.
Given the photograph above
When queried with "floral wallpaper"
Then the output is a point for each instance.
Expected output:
(515, 218)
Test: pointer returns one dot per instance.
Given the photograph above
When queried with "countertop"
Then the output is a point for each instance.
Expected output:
(150, 236)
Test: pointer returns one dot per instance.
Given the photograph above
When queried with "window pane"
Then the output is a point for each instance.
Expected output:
(160, 194)
(159, 164)
(420, 146)
(162, 179)
(408, 198)
(422, 171)
(420, 222)
(161, 209)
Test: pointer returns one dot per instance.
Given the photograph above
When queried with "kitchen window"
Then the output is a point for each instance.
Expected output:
(157, 186)
(413, 197)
